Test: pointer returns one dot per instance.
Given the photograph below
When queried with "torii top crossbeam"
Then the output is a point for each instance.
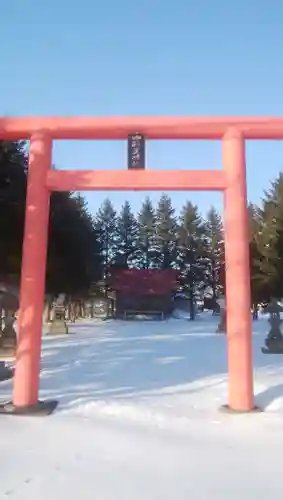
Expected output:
(111, 128)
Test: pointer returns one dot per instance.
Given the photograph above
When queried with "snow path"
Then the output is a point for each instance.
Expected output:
(138, 419)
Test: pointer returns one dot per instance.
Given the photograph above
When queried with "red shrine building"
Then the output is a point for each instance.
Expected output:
(144, 291)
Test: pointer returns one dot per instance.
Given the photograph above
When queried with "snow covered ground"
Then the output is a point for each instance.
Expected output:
(138, 419)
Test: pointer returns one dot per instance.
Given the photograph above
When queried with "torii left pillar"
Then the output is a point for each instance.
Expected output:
(26, 377)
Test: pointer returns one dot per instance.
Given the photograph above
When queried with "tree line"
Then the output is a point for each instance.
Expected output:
(194, 245)
(159, 238)
(83, 249)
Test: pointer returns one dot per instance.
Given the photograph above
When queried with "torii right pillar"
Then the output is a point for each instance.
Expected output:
(237, 264)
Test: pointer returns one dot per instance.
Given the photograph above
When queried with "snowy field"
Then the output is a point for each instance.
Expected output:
(138, 419)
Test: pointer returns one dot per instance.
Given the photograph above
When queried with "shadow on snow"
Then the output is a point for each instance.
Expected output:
(116, 360)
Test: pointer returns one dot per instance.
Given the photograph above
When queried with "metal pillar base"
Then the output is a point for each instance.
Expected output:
(41, 409)
(229, 410)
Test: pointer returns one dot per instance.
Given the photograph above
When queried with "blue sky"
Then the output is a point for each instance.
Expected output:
(146, 58)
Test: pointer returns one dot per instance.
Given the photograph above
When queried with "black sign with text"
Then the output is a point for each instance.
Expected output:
(136, 151)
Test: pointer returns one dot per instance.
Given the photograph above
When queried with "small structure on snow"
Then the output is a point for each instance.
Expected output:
(58, 324)
(274, 339)
(222, 326)
(5, 371)
(9, 304)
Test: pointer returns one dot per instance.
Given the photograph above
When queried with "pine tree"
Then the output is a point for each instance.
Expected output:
(166, 227)
(13, 182)
(106, 224)
(255, 231)
(73, 251)
(215, 252)
(268, 261)
(147, 234)
(192, 252)
(126, 236)
(74, 254)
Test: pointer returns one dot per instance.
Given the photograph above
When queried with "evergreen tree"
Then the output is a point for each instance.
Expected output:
(192, 252)
(255, 231)
(106, 225)
(147, 234)
(74, 254)
(126, 236)
(13, 182)
(166, 227)
(267, 262)
(215, 252)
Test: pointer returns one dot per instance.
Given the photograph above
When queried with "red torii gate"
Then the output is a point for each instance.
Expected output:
(42, 180)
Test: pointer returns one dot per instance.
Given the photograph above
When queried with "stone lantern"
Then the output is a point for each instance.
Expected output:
(274, 339)
(9, 303)
(222, 326)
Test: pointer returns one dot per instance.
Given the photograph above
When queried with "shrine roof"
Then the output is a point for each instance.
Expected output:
(144, 281)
